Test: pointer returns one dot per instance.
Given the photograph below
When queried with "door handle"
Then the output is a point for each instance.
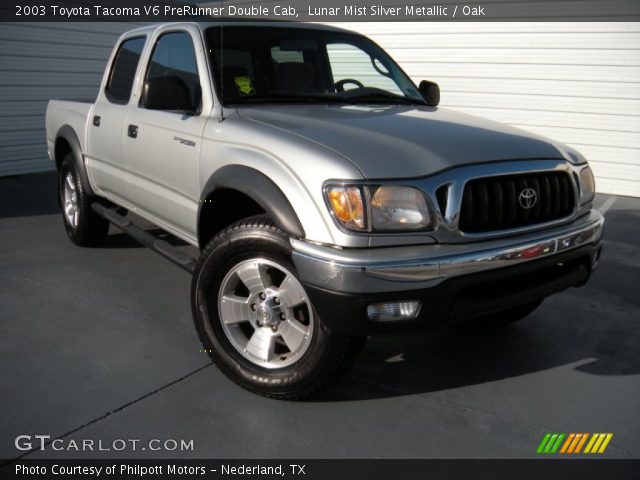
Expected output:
(132, 131)
(96, 120)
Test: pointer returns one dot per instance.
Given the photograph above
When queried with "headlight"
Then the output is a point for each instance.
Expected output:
(388, 208)
(587, 185)
(347, 206)
(399, 208)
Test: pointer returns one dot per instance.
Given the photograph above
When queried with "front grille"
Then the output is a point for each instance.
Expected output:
(498, 203)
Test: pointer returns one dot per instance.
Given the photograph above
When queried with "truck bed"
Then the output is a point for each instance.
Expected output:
(64, 112)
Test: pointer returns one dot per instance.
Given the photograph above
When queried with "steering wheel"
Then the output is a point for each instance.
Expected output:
(339, 86)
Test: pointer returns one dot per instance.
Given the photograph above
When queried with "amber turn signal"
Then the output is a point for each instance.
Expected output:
(347, 205)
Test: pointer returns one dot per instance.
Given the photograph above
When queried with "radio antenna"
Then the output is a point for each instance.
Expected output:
(221, 63)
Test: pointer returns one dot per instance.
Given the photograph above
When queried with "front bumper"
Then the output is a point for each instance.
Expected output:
(452, 281)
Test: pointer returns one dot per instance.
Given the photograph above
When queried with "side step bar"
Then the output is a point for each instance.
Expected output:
(143, 237)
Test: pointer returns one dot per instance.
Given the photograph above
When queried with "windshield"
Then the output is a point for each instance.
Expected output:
(285, 64)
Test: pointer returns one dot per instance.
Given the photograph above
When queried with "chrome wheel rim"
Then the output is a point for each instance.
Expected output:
(70, 201)
(265, 313)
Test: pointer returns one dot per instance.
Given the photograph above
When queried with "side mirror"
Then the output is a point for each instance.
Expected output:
(431, 92)
(167, 93)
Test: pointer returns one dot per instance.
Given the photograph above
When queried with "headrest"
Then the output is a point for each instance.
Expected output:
(294, 76)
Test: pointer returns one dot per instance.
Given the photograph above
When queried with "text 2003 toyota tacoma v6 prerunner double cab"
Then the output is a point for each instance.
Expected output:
(329, 197)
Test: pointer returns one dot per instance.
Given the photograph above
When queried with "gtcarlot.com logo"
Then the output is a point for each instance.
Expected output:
(44, 442)
(573, 443)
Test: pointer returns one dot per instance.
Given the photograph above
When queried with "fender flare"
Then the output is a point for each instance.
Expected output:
(68, 133)
(261, 189)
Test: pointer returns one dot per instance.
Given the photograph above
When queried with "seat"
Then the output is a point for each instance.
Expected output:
(294, 76)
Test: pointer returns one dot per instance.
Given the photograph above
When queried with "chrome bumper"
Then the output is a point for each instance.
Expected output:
(424, 266)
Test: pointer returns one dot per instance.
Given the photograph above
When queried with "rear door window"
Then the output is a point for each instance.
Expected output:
(123, 70)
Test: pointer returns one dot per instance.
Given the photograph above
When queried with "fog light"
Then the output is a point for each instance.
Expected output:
(387, 311)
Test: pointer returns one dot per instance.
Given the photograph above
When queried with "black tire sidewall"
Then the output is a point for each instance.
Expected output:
(91, 229)
(68, 166)
(228, 250)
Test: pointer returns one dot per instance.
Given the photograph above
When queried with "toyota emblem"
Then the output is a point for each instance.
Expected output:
(528, 198)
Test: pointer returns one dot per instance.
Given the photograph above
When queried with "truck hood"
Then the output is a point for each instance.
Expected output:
(406, 141)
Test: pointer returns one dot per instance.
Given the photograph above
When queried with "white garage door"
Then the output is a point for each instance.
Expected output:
(575, 82)
(40, 61)
(578, 83)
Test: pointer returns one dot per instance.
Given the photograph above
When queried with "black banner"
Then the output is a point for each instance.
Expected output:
(321, 11)
(323, 469)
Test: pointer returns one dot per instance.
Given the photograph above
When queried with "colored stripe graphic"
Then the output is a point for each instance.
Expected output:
(572, 443)
(550, 443)
(591, 443)
(581, 442)
(543, 443)
(567, 442)
(598, 443)
(605, 443)
(555, 447)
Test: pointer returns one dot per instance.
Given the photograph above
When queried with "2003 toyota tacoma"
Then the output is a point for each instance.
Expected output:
(329, 196)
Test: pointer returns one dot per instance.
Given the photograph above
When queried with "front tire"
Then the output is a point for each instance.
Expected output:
(84, 227)
(255, 319)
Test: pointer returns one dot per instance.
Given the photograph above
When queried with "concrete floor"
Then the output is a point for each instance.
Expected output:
(99, 344)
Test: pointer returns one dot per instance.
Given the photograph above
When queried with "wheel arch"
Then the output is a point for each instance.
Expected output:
(252, 192)
(67, 142)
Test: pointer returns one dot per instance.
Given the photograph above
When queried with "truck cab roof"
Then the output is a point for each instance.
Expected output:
(203, 25)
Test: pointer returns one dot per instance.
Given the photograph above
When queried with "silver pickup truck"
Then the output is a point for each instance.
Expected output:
(329, 196)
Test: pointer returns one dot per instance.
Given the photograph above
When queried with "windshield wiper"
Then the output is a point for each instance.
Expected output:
(351, 99)
(286, 98)
(382, 97)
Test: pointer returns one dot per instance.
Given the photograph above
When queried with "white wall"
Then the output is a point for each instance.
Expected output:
(575, 82)
(578, 83)
(40, 61)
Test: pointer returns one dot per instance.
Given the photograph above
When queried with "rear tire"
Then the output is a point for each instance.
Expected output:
(512, 315)
(84, 227)
(255, 320)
